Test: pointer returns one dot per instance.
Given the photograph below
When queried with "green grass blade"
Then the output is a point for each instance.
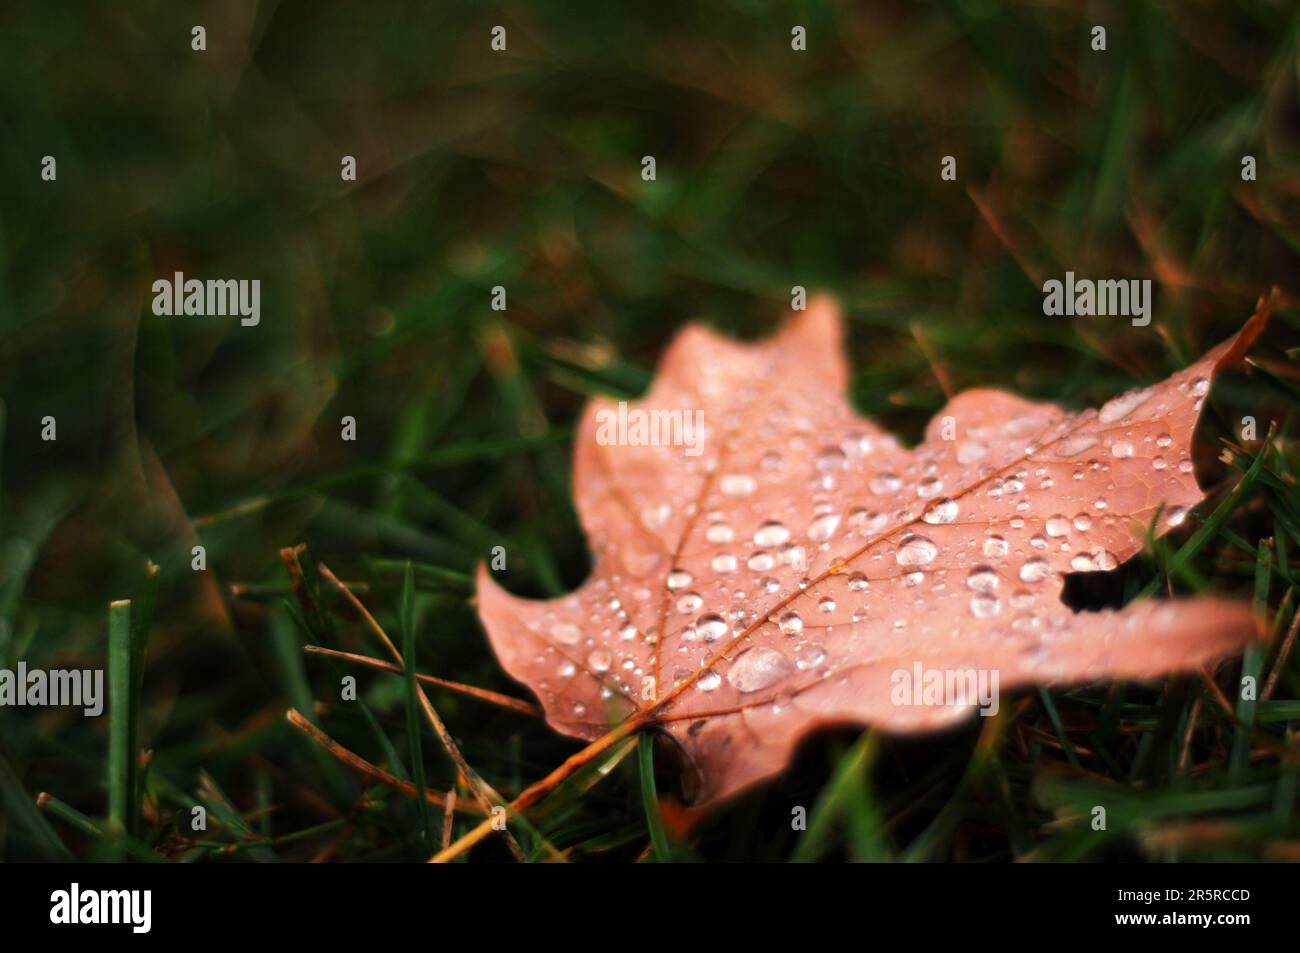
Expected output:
(413, 720)
(650, 797)
(119, 715)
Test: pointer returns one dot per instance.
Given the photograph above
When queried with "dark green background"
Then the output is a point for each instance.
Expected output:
(521, 169)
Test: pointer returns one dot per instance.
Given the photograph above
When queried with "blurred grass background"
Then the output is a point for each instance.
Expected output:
(522, 169)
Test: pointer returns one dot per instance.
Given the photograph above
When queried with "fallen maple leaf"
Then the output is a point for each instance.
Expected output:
(798, 571)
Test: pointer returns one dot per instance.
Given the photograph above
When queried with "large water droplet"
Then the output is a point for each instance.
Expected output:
(711, 627)
(932, 486)
(995, 547)
(982, 579)
(1058, 525)
(679, 579)
(599, 660)
(940, 511)
(771, 534)
(709, 681)
(809, 656)
(831, 458)
(1035, 570)
(1123, 405)
(759, 668)
(823, 527)
(719, 533)
(790, 623)
(724, 562)
(916, 551)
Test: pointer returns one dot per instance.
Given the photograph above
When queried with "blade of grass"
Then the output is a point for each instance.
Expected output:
(141, 621)
(119, 714)
(413, 720)
(663, 853)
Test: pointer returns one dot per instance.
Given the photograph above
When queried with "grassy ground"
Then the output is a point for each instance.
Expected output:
(521, 169)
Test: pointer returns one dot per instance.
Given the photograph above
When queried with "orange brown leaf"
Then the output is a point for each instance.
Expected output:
(803, 568)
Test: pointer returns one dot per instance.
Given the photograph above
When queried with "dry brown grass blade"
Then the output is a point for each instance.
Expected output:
(361, 765)
(471, 691)
(483, 793)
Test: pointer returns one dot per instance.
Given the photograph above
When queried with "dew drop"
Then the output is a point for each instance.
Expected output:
(1035, 570)
(737, 484)
(709, 681)
(809, 657)
(1074, 444)
(995, 547)
(1057, 525)
(823, 527)
(711, 627)
(984, 606)
(679, 579)
(858, 582)
(771, 533)
(689, 602)
(1104, 559)
(655, 517)
(791, 623)
(831, 458)
(757, 669)
(1123, 405)
(883, 484)
(916, 551)
(940, 511)
(724, 562)
(719, 533)
(927, 488)
(982, 579)
(599, 660)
